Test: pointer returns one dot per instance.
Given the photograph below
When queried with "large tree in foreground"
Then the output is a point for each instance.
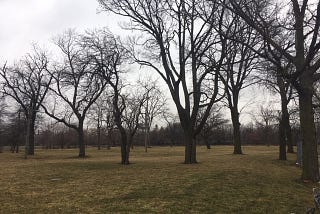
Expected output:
(302, 18)
(27, 83)
(182, 36)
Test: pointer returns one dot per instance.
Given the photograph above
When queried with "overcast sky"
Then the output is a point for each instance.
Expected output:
(23, 22)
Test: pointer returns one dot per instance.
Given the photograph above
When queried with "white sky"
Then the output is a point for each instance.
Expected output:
(23, 22)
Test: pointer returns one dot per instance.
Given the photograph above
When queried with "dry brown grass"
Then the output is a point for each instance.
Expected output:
(55, 181)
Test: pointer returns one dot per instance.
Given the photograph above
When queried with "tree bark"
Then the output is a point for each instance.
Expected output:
(282, 140)
(99, 137)
(236, 131)
(128, 147)
(27, 145)
(146, 139)
(31, 136)
(310, 166)
(124, 145)
(124, 155)
(285, 118)
(289, 135)
(190, 148)
(82, 149)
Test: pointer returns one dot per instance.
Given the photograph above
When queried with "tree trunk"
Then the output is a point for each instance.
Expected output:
(124, 145)
(207, 143)
(26, 149)
(125, 151)
(285, 118)
(236, 131)
(146, 139)
(310, 166)
(31, 137)
(124, 156)
(289, 135)
(99, 137)
(282, 140)
(82, 149)
(190, 148)
(128, 147)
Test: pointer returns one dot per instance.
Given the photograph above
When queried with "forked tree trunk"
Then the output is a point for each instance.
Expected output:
(310, 166)
(236, 131)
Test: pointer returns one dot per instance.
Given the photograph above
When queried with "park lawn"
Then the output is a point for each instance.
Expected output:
(56, 181)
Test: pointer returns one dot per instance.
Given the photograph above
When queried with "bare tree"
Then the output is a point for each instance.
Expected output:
(241, 62)
(108, 55)
(265, 118)
(301, 19)
(173, 127)
(214, 121)
(154, 105)
(182, 36)
(131, 115)
(276, 83)
(77, 84)
(101, 114)
(27, 83)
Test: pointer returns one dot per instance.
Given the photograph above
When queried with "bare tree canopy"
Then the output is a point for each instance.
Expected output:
(77, 84)
(27, 83)
(182, 37)
(155, 105)
(241, 61)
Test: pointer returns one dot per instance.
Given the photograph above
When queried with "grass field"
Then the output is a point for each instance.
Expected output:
(55, 181)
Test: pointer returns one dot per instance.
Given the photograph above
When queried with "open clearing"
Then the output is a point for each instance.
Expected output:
(55, 181)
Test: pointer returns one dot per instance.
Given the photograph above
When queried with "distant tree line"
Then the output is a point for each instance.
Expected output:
(56, 136)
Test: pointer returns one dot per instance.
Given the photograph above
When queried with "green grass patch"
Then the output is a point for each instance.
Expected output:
(55, 181)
